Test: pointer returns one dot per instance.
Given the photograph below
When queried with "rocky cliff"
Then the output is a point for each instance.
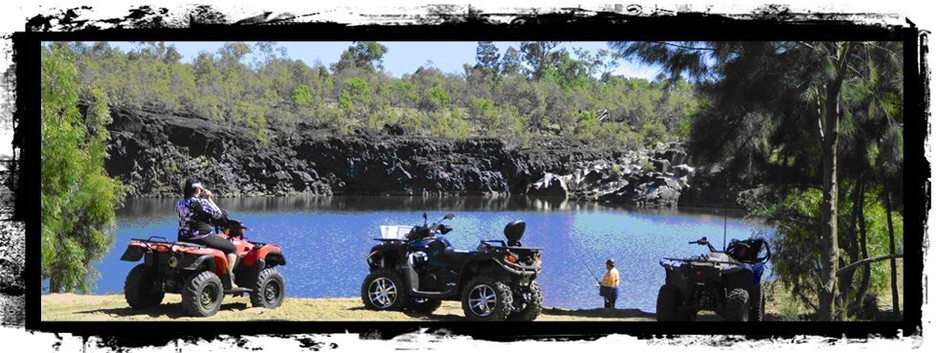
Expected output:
(152, 152)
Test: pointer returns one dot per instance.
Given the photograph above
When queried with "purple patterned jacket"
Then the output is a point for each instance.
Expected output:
(195, 217)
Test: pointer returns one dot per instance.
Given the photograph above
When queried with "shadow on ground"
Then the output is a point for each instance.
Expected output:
(600, 313)
(171, 311)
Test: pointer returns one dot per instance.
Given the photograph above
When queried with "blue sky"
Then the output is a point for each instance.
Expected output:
(403, 57)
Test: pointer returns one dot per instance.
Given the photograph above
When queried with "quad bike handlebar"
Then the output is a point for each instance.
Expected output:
(748, 250)
(703, 241)
(427, 230)
(234, 227)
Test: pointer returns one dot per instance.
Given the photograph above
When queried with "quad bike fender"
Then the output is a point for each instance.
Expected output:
(383, 257)
(218, 258)
(679, 277)
(207, 262)
(494, 268)
(272, 254)
(246, 276)
(757, 270)
(738, 277)
(275, 258)
(133, 253)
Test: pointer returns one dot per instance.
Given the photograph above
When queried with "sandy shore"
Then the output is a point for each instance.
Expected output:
(73, 307)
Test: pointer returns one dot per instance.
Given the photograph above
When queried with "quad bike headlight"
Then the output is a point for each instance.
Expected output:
(511, 258)
(173, 262)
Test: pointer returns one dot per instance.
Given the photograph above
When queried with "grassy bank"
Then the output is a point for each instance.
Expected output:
(780, 306)
(72, 307)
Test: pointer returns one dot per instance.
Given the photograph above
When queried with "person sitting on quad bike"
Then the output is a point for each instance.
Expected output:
(196, 212)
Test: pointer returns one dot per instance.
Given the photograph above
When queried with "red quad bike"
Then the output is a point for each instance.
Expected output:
(200, 273)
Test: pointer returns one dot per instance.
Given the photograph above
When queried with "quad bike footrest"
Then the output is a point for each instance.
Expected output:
(238, 290)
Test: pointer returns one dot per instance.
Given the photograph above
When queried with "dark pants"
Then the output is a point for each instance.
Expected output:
(609, 299)
(215, 242)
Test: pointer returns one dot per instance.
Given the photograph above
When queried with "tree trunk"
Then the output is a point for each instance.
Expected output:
(864, 252)
(853, 249)
(892, 250)
(829, 125)
(829, 247)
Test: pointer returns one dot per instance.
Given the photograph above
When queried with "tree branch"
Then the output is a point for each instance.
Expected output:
(844, 270)
(672, 44)
(808, 45)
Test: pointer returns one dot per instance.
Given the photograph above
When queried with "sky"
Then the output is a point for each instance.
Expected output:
(402, 57)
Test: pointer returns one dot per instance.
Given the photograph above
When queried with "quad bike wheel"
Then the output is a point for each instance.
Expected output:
(757, 307)
(202, 294)
(532, 306)
(383, 289)
(142, 288)
(737, 305)
(268, 290)
(423, 305)
(486, 299)
(669, 299)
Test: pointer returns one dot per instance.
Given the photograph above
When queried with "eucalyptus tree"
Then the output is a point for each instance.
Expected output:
(487, 59)
(776, 109)
(78, 198)
(539, 56)
(510, 63)
(364, 55)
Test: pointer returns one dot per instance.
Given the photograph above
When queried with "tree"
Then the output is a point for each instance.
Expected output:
(762, 92)
(487, 59)
(78, 198)
(363, 55)
(302, 95)
(511, 62)
(539, 56)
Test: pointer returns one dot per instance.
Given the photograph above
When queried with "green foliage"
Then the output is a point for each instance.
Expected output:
(362, 55)
(796, 246)
(258, 89)
(302, 95)
(78, 198)
(438, 98)
(761, 96)
(648, 166)
(487, 59)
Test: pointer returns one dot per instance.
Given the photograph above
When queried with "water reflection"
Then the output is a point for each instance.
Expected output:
(144, 207)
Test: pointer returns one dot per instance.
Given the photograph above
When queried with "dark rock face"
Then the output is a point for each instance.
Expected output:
(154, 152)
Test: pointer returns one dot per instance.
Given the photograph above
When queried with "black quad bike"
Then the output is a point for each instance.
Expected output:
(200, 273)
(416, 268)
(726, 282)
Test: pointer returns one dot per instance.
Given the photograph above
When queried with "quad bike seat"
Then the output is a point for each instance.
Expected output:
(190, 244)
(514, 231)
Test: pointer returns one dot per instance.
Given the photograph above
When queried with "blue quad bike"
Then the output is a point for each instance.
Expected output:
(727, 282)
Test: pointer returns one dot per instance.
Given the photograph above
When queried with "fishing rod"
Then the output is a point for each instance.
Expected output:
(724, 226)
(580, 260)
(725, 206)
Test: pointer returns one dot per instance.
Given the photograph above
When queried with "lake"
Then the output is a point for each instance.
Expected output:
(326, 239)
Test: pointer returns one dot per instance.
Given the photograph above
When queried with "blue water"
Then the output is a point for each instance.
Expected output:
(325, 240)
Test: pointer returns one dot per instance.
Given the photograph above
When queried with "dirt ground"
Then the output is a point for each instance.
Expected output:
(73, 307)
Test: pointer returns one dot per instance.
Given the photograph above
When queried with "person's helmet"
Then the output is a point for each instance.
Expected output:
(611, 262)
